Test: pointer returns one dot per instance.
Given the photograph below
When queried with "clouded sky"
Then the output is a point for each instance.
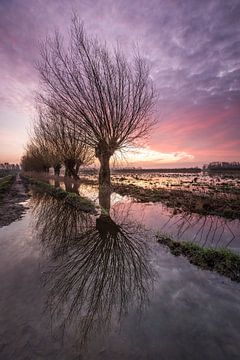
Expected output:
(192, 45)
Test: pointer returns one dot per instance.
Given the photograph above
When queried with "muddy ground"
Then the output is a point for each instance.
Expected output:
(11, 208)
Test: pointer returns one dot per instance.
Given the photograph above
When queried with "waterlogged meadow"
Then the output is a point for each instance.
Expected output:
(203, 209)
(84, 281)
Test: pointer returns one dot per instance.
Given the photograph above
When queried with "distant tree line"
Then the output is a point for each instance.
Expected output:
(222, 166)
(6, 169)
(172, 170)
(7, 166)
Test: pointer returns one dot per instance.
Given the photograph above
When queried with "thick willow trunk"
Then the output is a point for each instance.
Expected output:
(45, 169)
(104, 172)
(57, 183)
(57, 169)
(106, 227)
(104, 182)
(75, 174)
(70, 169)
(67, 168)
(77, 170)
(68, 186)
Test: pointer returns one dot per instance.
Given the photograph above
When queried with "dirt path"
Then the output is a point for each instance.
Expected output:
(11, 209)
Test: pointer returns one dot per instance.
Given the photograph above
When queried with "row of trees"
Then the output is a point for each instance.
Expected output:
(92, 101)
(222, 166)
(7, 166)
(56, 142)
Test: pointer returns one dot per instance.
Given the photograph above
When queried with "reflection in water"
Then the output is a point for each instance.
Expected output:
(67, 184)
(209, 231)
(71, 186)
(99, 268)
(57, 223)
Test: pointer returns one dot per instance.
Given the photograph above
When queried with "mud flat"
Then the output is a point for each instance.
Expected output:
(11, 206)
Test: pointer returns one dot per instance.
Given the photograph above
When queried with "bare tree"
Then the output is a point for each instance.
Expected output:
(35, 159)
(106, 96)
(40, 142)
(62, 140)
(99, 266)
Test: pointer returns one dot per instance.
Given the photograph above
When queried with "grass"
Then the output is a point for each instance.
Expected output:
(183, 200)
(79, 202)
(223, 261)
(5, 184)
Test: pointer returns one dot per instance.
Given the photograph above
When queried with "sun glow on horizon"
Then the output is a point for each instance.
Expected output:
(146, 156)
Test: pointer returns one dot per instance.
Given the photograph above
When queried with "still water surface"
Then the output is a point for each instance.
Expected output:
(209, 231)
(77, 286)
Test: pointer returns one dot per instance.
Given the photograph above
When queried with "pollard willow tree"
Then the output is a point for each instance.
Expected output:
(108, 98)
(40, 142)
(62, 138)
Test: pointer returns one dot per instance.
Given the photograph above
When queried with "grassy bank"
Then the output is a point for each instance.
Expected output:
(185, 201)
(223, 261)
(75, 200)
(5, 184)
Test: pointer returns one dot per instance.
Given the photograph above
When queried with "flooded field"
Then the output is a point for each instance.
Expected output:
(200, 182)
(207, 230)
(77, 285)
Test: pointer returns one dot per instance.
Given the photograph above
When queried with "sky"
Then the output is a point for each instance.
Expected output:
(192, 46)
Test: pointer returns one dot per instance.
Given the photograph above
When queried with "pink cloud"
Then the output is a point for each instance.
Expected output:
(199, 111)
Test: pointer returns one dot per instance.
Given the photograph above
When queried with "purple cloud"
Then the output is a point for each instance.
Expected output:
(193, 47)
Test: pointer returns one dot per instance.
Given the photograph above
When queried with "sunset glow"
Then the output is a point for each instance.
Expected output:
(194, 55)
(146, 157)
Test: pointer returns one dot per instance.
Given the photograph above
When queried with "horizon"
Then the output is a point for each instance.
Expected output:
(195, 67)
(119, 167)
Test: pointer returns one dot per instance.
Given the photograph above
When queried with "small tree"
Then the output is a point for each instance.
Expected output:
(107, 97)
(48, 152)
(34, 159)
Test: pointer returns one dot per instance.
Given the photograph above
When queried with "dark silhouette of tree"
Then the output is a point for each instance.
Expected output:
(62, 141)
(35, 159)
(107, 97)
(99, 265)
(45, 149)
(222, 166)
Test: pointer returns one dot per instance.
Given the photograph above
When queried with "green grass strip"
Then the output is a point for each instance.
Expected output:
(223, 261)
(73, 199)
(5, 184)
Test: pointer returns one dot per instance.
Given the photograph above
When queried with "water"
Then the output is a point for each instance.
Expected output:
(209, 231)
(77, 286)
(201, 183)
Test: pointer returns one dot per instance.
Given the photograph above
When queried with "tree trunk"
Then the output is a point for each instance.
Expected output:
(75, 188)
(104, 172)
(57, 169)
(104, 180)
(57, 183)
(68, 186)
(106, 227)
(77, 170)
(70, 169)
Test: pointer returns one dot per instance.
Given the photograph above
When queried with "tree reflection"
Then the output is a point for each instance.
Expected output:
(100, 265)
(206, 230)
(57, 223)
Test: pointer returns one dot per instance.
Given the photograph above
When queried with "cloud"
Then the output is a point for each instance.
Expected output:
(193, 47)
(145, 156)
